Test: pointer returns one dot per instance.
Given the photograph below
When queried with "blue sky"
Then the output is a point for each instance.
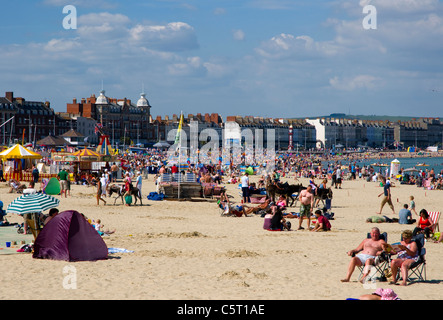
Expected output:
(270, 58)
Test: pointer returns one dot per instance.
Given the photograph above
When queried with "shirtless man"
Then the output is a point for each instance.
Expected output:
(365, 254)
(306, 205)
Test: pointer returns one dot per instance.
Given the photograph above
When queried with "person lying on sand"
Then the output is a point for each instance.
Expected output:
(265, 206)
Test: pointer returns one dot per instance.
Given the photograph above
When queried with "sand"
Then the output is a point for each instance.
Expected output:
(186, 250)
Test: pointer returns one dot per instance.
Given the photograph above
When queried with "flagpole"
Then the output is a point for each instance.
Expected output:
(124, 139)
(179, 151)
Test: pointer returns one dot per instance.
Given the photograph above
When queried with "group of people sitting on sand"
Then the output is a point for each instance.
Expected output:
(275, 211)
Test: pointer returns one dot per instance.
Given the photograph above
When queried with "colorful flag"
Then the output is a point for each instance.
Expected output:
(98, 126)
(180, 124)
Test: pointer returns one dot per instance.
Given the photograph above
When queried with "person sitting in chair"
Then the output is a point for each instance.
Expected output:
(16, 186)
(424, 224)
(365, 254)
(407, 255)
(3, 220)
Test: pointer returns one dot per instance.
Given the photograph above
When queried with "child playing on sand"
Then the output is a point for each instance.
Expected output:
(99, 227)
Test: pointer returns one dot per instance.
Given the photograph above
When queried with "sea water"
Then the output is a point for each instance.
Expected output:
(435, 163)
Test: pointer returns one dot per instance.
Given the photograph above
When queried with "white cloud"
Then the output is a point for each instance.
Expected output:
(61, 45)
(191, 66)
(97, 19)
(357, 82)
(219, 11)
(238, 35)
(174, 36)
(302, 47)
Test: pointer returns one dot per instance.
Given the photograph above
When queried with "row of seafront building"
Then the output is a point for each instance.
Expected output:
(127, 122)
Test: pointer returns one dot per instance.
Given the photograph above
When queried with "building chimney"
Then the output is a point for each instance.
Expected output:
(10, 96)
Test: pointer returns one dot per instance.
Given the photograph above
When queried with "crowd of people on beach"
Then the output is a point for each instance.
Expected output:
(324, 172)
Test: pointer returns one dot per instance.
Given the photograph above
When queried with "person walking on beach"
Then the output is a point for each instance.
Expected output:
(245, 187)
(306, 205)
(334, 178)
(99, 192)
(63, 178)
(114, 170)
(387, 196)
(138, 183)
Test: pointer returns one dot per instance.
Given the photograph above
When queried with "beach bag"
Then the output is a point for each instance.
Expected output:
(156, 196)
(388, 275)
(128, 199)
(267, 221)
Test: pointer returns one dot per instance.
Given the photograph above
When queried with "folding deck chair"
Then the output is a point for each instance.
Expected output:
(418, 269)
(380, 265)
(217, 191)
(434, 216)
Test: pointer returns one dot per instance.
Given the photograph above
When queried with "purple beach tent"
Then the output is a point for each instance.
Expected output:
(69, 237)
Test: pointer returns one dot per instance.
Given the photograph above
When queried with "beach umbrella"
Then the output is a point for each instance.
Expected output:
(19, 152)
(29, 203)
(410, 170)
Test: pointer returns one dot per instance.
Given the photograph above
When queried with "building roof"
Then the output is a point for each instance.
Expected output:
(52, 141)
(143, 102)
(72, 133)
(102, 99)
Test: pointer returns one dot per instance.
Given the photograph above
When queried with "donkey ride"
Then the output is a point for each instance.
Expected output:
(283, 189)
(119, 190)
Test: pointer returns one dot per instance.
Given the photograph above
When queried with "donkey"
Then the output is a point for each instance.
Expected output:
(322, 194)
(285, 189)
(119, 190)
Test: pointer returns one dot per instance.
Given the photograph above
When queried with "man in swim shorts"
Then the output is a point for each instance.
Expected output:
(307, 204)
(365, 254)
(364, 257)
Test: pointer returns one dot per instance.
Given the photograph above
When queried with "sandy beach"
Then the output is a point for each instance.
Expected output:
(186, 250)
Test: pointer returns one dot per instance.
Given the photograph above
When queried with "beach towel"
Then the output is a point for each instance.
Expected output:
(118, 250)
